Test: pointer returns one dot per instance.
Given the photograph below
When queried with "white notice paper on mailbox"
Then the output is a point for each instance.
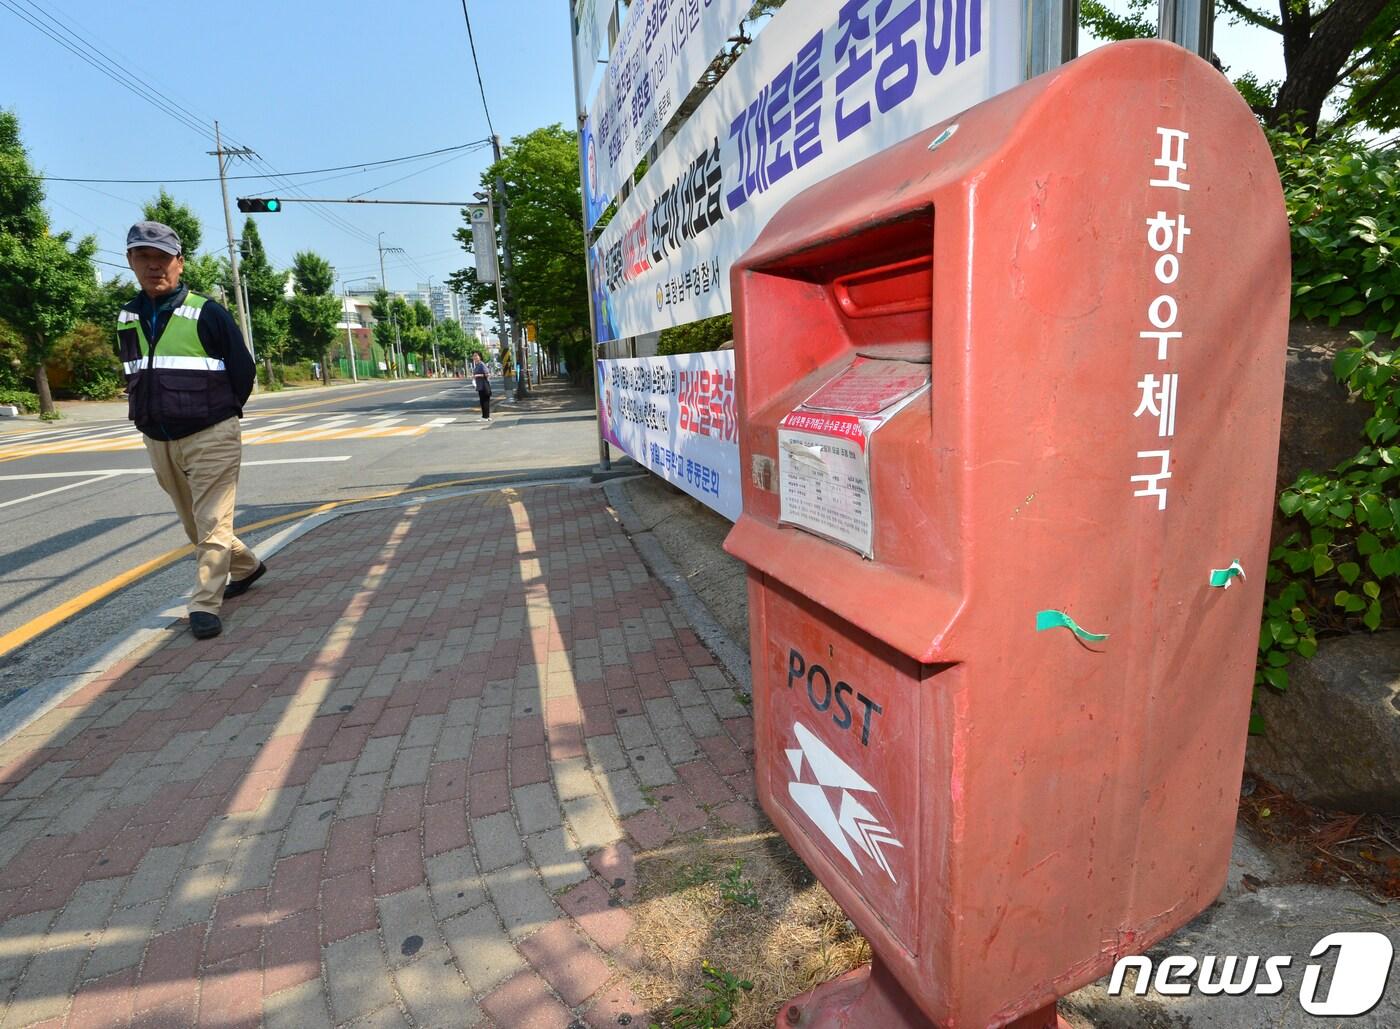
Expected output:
(824, 449)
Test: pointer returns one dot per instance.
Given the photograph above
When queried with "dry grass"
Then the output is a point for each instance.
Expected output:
(793, 937)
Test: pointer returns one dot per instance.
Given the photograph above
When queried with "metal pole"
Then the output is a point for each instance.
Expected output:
(500, 300)
(389, 302)
(349, 313)
(1189, 23)
(432, 316)
(604, 457)
(498, 196)
(1050, 35)
(232, 251)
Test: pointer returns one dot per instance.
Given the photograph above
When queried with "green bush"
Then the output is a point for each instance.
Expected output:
(88, 354)
(696, 337)
(1339, 572)
(101, 386)
(1343, 202)
(26, 401)
(300, 371)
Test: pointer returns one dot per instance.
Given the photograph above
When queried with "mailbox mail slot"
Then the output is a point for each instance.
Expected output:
(1007, 732)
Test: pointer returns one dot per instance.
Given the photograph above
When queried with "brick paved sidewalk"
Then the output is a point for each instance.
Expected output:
(405, 787)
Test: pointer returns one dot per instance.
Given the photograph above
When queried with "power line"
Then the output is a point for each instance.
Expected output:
(77, 46)
(479, 144)
(477, 66)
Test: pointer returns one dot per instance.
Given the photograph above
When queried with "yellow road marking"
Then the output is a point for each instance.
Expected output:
(16, 638)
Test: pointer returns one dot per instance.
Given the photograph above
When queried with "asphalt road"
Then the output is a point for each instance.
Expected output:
(78, 504)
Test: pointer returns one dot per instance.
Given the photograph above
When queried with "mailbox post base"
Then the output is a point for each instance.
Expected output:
(871, 996)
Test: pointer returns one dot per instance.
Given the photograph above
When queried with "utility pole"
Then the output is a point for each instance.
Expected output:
(500, 301)
(221, 153)
(398, 344)
(498, 196)
(604, 458)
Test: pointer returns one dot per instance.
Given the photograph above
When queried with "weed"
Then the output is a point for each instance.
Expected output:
(723, 990)
(698, 874)
(736, 889)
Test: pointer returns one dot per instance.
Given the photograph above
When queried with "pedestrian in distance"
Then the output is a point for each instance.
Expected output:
(482, 378)
(188, 376)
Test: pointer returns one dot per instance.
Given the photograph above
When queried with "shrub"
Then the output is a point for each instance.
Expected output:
(706, 334)
(88, 354)
(21, 398)
(1339, 572)
(1343, 202)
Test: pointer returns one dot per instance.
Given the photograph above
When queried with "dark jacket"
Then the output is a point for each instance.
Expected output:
(152, 394)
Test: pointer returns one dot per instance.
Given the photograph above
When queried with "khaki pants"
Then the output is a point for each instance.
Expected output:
(200, 473)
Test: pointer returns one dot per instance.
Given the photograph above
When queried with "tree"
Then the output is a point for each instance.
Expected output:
(202, 272)
(45, 278)
(169, 211)
(1348, 50)
(384, 317)
(548, 283)
(453, 343)
(694, 337)
(266, 300)
(313, 311)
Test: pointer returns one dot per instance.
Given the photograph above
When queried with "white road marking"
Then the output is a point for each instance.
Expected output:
(102, 475)
(56, 489)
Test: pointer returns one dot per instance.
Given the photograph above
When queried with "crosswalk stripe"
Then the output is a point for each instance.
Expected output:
(294, 429)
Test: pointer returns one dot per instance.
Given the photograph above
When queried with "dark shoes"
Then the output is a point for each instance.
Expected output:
(238, 587)
(204, 625)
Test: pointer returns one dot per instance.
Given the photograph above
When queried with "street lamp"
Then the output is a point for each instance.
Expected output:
(347, 310)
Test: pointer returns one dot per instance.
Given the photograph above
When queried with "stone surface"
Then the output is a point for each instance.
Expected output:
(362, 803)
(1333, 737)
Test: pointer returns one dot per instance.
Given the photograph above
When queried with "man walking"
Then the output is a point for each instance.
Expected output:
(188, 376)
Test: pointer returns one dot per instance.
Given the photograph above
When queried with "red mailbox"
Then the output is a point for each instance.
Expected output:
(1010, 398)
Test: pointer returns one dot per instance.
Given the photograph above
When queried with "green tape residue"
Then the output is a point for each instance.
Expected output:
(1058, 620)
(1222, 576)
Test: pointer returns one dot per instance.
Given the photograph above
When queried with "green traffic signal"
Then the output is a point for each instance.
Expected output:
(274, 205)
(256, 205)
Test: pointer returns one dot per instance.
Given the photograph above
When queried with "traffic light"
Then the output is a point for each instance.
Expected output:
(257, 205)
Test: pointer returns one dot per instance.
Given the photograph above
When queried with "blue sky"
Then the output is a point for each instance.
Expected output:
(307, 84)
(310, 84)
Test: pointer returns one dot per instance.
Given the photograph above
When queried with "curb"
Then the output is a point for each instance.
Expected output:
(733, 658)
(48, 693)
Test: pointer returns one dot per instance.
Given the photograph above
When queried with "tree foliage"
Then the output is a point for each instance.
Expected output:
(1343, 202)
(548, 284)
(45, 277)
(1346, 50)
(695, 337)
(266, 300)
(169, 211)
(312, 312)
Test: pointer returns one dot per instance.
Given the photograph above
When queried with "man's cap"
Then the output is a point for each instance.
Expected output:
(154, 234)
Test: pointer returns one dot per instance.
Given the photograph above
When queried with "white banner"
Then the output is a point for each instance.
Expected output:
(826, 84)
(483, 242)
(679, 417)
(662, 50)
(591, 19)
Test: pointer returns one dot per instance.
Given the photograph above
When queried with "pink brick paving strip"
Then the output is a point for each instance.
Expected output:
(407, 785)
